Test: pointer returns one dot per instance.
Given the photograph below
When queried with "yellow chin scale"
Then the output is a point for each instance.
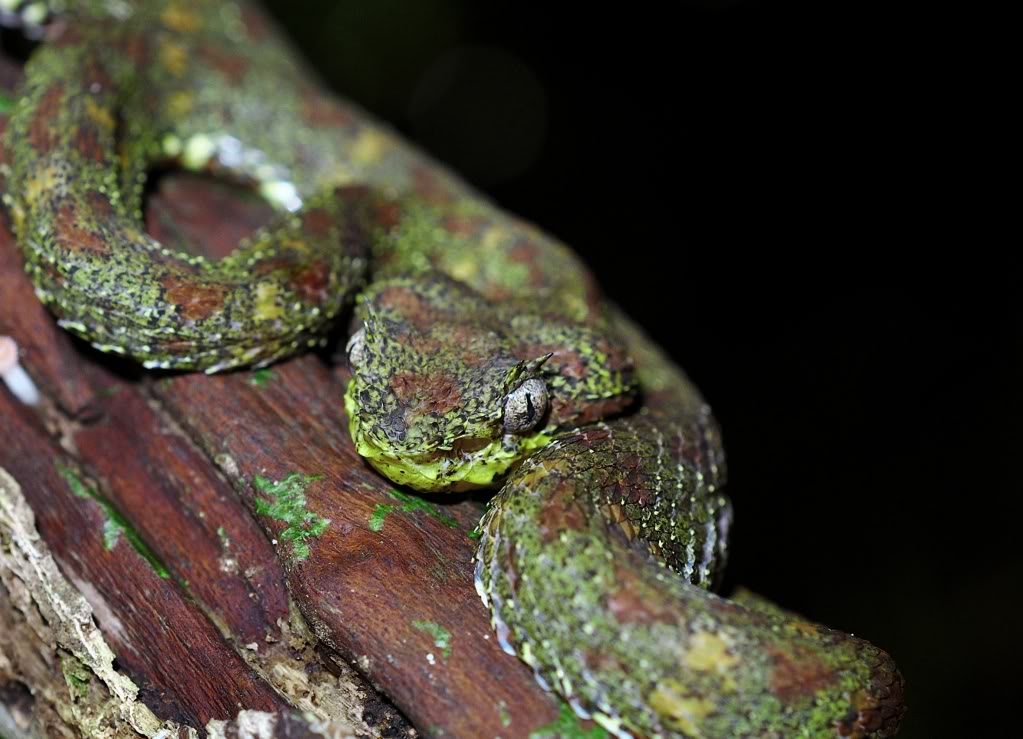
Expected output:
(442, 470)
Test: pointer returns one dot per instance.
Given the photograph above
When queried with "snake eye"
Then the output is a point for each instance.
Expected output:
(355, 348)
(525, 406)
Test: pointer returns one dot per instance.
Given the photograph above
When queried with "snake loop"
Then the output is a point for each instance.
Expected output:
(485, 354)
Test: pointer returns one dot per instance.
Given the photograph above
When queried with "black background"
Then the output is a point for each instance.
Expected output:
(783, 197)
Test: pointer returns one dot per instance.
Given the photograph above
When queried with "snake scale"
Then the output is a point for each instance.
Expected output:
(483, 356)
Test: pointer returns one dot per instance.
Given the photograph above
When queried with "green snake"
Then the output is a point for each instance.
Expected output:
(484, 356)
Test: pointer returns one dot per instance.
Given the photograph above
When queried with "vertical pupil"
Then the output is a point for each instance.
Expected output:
(529, 408)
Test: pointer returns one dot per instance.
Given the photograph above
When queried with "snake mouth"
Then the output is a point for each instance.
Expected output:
(470, 462)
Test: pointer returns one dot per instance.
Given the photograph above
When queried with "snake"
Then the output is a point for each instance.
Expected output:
(482, 356)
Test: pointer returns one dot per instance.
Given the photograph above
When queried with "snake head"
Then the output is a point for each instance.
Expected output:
(450, 390)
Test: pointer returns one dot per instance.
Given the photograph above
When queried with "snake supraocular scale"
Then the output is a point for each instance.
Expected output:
(485, 354)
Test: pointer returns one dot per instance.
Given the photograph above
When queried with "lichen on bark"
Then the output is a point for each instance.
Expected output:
(50, 641)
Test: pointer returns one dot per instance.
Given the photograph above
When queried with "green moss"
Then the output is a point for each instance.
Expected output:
(74, 483)
(413, 503)
(261, 377)
(567, 726)
(286, 502)
(504, 714)
(115, 524)
(376, 518)
(6, 103)
(76, 675)
(441, 636)
(111, 533)
(407, 504)
(108, 391)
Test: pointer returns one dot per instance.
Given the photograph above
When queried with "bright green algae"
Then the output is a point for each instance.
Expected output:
(467, 304)
(407, 503)
(441, 636)
(114, 523)
(284, 500)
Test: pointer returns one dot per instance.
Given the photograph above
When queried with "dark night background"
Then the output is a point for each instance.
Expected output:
(777, 195)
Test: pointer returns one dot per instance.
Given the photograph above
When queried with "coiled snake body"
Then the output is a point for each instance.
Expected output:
(485, 355)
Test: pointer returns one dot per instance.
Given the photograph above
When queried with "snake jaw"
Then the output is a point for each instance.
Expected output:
(469, 463)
